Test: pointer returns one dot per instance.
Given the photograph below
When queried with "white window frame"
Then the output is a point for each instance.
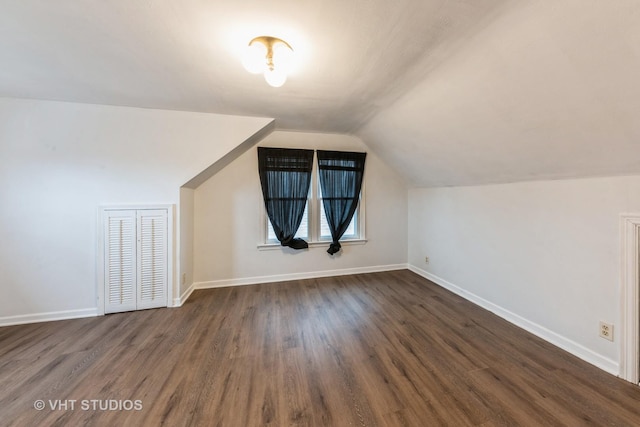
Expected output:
(314, 206)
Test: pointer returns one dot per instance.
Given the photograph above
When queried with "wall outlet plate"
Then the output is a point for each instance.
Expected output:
(606, 331)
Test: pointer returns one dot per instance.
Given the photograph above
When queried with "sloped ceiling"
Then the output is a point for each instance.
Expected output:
(551, 89)
(450, 92)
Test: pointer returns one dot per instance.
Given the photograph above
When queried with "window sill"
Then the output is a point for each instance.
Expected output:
(323, 243)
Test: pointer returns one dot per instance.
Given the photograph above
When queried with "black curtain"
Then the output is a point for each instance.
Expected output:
(285, 176)
(340, 175)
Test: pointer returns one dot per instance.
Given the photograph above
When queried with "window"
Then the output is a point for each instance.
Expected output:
(303, 230)
(314, 227)
(341, 174)
(285, 178)
(325, 233)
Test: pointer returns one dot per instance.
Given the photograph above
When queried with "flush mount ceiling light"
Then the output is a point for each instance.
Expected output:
(271, 56)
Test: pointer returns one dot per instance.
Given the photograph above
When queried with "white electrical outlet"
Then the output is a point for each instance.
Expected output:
(606, 331)
(426, 260)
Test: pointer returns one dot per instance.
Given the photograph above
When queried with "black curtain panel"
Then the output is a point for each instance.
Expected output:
(285, 176)
(341, 174)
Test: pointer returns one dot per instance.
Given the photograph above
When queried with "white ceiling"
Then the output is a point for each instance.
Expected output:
(450, 92)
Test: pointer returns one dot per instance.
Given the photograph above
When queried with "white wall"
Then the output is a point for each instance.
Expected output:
(60, 161)
(544, 254)
(229, 211)
(186, 222)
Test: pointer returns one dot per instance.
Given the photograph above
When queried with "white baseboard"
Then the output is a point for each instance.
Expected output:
(564, 343)
(297, 276)
(47, 317)
(177, 302)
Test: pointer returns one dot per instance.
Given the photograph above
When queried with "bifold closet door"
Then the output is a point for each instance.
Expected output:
(152, 258)
(135, 259)
(120, 263)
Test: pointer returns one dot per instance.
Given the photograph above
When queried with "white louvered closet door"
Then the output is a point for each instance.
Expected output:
(136, 259)
(120, 261)
(152, 258)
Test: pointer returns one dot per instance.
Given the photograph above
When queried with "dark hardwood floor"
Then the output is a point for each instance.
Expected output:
(387, 349)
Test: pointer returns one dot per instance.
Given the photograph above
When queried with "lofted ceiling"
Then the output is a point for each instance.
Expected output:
(449, 92)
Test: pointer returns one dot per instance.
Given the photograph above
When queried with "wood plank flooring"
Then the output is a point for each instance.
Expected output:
(383, 349)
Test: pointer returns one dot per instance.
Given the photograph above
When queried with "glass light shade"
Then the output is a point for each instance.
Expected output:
(255, 58)
(275, 77)
(282, 56)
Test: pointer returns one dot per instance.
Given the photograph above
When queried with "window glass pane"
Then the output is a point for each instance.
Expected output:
(325, 232)
(303, 230)
(324, 226)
